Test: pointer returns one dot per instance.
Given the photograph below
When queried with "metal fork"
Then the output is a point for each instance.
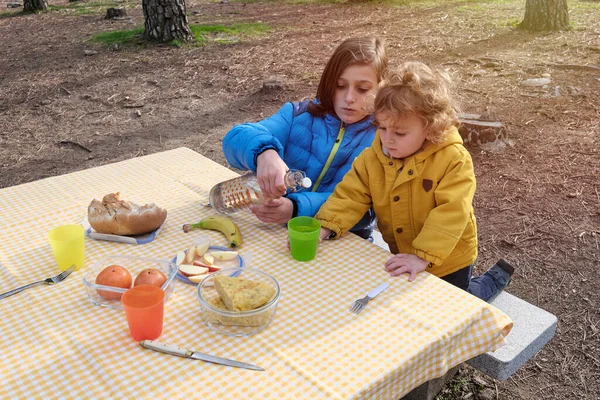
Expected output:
(359, 304)
(48, 281)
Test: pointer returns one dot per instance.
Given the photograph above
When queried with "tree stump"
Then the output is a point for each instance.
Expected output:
(475, 130)
(166, 20)
(112, 13)
(35, 5)
(545, 15)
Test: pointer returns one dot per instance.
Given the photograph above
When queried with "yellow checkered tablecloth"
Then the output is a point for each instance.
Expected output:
(57, 344)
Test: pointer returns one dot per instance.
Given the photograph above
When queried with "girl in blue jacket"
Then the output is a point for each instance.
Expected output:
(321, 137)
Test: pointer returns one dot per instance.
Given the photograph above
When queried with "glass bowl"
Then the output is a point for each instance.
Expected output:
(236, 323)
(134, 265)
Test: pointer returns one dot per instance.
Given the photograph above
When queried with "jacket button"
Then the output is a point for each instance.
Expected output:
(396, 198)
(399, 230)
(391, 163)
(410, 171)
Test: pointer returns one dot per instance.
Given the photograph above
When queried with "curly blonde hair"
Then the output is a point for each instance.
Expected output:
(416, 89)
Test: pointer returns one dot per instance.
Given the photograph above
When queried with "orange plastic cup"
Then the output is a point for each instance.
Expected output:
(144, 308)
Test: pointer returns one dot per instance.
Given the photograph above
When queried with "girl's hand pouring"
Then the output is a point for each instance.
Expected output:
(270, 171)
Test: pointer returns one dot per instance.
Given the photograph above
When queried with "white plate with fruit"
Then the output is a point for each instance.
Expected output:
(195, 263)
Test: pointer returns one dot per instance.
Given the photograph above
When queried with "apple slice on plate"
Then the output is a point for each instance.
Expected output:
(208, 259)
(202, 248)
(189, 266)
(189, 256)
(197, 278)
(190, 270)
(224, 255)
(180, 257)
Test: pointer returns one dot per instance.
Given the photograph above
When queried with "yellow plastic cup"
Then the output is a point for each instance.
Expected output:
(68, 245)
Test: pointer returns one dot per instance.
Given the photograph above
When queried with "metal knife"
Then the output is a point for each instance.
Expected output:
(176, 351)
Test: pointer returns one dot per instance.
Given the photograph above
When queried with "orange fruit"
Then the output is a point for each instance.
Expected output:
(115, 276)
(150, 276)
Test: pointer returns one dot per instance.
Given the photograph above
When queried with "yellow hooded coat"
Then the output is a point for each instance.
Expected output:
(423, 204)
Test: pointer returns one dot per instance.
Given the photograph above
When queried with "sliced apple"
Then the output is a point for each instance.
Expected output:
(189, 256)
(202, 248)
(197, 278)
(224, 255)
(208, 259)
(180, 257)
(200, 264)
(189, 269)
(214, 268)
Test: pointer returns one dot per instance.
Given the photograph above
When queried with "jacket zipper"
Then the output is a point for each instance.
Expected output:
(334, 149)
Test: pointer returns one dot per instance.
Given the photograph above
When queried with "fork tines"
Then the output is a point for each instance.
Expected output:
(359, 304)
(63, 275)
(356, 307)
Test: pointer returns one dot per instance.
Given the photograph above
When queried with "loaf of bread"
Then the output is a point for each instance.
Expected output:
(119, 217)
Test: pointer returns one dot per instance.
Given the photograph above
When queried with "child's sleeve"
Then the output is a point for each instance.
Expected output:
(350, 200)
(309, 202)
(244, 142)
(446, 223)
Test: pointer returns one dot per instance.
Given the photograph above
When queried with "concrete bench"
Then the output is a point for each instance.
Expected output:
(533, 328)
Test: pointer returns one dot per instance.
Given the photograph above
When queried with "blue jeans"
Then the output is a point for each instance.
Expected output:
(485, 287)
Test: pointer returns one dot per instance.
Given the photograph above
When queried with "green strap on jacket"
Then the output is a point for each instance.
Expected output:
(334, 149)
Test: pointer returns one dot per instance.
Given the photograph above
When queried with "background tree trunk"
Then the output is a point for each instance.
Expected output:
(35, 5)
(166, 20)
(546, 15)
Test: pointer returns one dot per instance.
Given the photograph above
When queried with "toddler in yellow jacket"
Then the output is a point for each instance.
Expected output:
(419, 178)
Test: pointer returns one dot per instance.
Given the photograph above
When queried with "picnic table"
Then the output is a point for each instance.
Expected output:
(57, 344)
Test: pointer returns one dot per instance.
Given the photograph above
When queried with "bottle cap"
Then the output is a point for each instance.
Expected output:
(306, 182)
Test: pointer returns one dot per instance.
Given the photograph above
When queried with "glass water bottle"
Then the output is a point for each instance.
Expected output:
(238, 193)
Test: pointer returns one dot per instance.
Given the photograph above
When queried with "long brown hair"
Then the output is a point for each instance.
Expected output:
(352, 51)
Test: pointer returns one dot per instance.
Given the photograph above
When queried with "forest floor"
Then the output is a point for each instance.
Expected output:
(68, 104)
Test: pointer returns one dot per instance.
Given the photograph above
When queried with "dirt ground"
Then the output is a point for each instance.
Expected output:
(538, 198)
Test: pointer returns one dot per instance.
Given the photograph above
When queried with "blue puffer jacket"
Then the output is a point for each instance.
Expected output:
(304, 142)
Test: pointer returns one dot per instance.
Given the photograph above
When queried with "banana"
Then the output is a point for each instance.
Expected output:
(222, 224)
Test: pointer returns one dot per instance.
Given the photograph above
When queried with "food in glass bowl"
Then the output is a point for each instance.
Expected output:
(238, 301)
(106, 295)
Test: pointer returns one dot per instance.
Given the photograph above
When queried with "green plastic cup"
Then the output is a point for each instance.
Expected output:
(304, 237)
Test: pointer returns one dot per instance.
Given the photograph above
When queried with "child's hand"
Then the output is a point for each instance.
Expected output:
(270, 170)
(275, 211)
(405, 263)
(324, 234)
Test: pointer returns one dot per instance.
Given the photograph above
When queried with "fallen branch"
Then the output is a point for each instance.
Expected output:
(572, 66)
(69, 143)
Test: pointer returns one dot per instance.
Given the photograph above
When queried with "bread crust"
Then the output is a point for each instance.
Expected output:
(120, 217)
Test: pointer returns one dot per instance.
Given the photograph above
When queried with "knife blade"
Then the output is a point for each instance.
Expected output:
(176, 351)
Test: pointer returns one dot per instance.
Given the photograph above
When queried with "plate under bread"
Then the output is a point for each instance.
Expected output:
(236, 262)
(133, 239)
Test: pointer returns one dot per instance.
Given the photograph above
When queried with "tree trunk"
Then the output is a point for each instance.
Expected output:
(166, 20)
(35, 5)
(546, 15)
